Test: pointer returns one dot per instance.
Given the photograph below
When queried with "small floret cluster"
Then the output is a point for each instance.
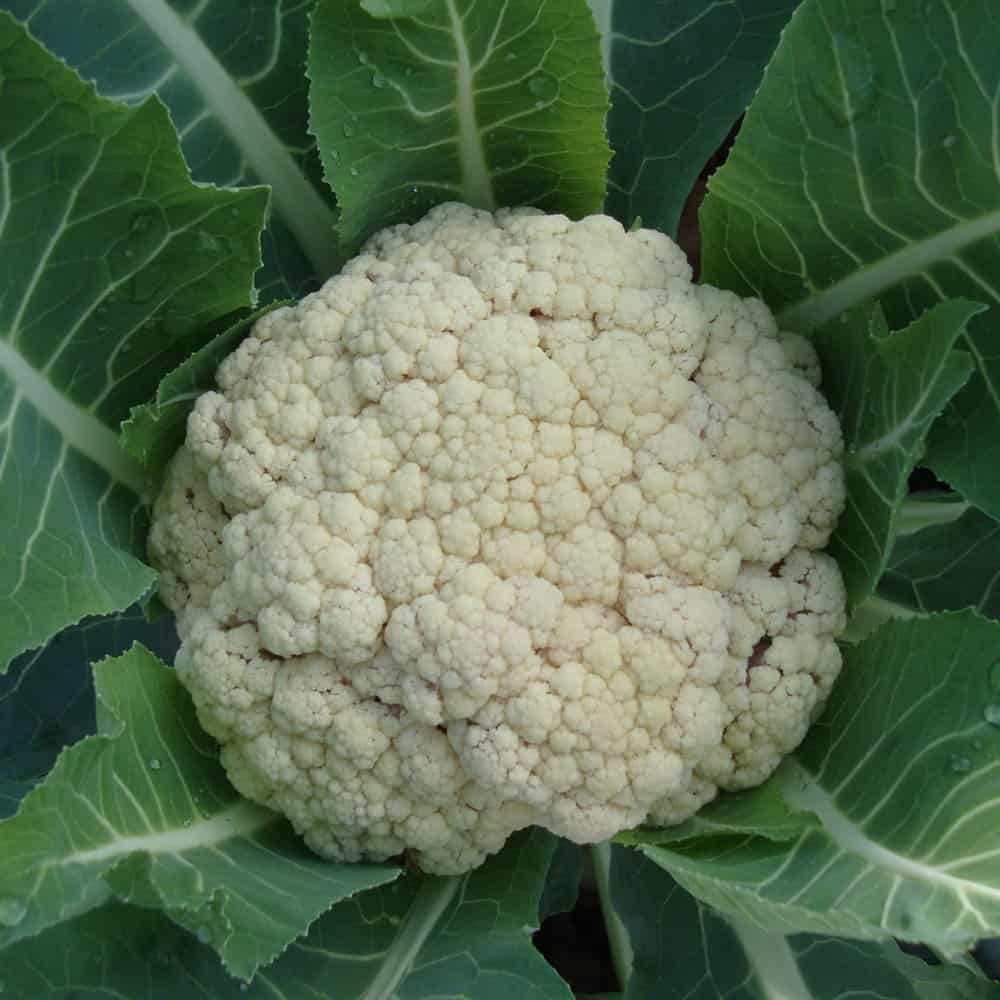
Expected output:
(509, 523)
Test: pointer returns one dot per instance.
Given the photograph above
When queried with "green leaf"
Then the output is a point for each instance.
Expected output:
(420, 937)
(491, 105)
(866, 167)
(887, 389)
(232, 76)
(108, 253)
(761, 812)
(947, 567)
(155, 430)
(901, 773)
(680, 75)
(562, 882)
(684, 948)
(143, 811)
(47, 697)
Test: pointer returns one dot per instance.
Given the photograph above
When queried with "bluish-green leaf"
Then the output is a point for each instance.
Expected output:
(901, 771)
(867, 167)
(457, 100)
(143, 811)
(683, 948)
(947, 567)
(680, 74)
(232, 74)
(111, 262)
(887, 388)
(464, 938)
(47, 697)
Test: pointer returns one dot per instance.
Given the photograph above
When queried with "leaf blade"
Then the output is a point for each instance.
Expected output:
(107, 250)
(490, 106)
(143, 811)
(865, 168)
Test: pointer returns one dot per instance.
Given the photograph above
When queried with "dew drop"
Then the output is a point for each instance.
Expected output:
(154, 764)
(409, 71)
(544, 86)
(977, 744)
(511, 56)
(539, 105)
(961, 764)
(363, 58)
(992, 715)
(12, 912)
(348, 129)
(141, 221)
(949, 141)
(203, 935)
(354, 171)
(129, 252)
(378, 79)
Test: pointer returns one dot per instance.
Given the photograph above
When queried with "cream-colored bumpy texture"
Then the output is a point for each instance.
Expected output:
(508, 524)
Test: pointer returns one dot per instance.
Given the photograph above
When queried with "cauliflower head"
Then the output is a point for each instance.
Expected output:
(509, 523)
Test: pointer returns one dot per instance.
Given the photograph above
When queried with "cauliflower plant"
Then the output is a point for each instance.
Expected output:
(508, 524)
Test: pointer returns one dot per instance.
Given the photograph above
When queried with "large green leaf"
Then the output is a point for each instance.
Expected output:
(111, 262)
(416, 102)
(901, 771)
(47, 697)
(465, 938)
(232, 74)
(143, 811)
(947, 567)
(680, 74)
(683, 948)
(867, 166)
(887, 389)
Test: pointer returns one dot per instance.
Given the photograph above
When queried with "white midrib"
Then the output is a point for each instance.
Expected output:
(777, 973)
(81, 430)
(802, 792)
(820, 308)
(298, 203)
(477, 187)
(239, 820)
(432, 900)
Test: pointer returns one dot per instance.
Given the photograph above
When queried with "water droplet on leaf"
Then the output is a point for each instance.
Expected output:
(154, 764)
(949, 141)
(12, 912)
(348, 130)
(203, 935)
(992, 714)
(961, 764)
(354, 171)
(544, 86)
(378, 79)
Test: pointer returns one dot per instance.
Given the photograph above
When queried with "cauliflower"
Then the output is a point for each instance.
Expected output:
(508, 524)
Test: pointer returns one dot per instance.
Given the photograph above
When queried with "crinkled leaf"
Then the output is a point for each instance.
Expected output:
(683, 948)
(947, 567)
(420, 937)
(232, 76)
(867, 166)
(155, 430)
(143, 810)
(680, 74)
(488, 104)
(47, 697)
(111, 262)
(887, 389)
(901, 772)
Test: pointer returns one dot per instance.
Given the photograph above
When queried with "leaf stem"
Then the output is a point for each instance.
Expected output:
(618, 937)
